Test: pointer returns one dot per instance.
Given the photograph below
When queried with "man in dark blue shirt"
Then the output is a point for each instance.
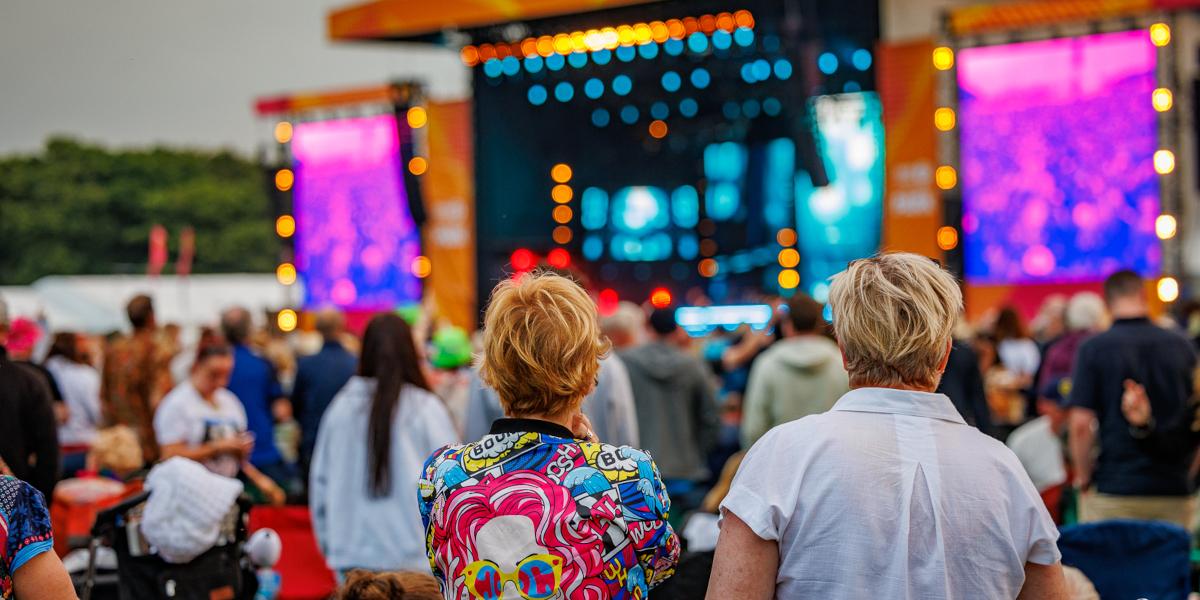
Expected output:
(255, 383)
(1130, 482)
(318, 379)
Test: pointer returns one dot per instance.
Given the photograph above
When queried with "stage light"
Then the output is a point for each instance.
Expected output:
(700, 78)
(772, 107)
(469, 55)
(861, 59)
(283, 132)
(493, 68)
(743, 36)
(555, 62)
(726, 22)
(522, 259)
(285, 226)
(708, 247)
(1162, 99)
(561, 173)
(537, 94)
(285, 273)
(789, 279)
(607, 301)
(503, 51)
(562, 235)
(1160, 34)
(827, 63)
(577, 60)
(947, 238)
(690, 25)
(593, 88)
(671, 81)
(487, 53)
(562, 193)
(558, 258)
(579, 41)
(708, 268)
(545, 46)
(851, 86)
(659, 110)
(761, 69)
(788, 258)
(1164, 162)
(625, 35)
(783, 69)
(708, 23)
(660, 297)
(747, 72)
(418, 165)
(943, 58)
(697, 42)
(1168, 289)
(510, 65)
(642, 33)
(658, 129)
(743, 18)
(287, 320)
(563, 92)
(600, 117)
(421, 267)
(602, 57)
(562, 43)
(626, 53)
(593, 247)
(534, 64)
(622, 85)
(529, 47)
(562, 214)
(751, 108)
(629, 114)
(675, 29)
(688, 107)
(284, 179)
(648, 51)
(1165, 227)
(594, 40)
(944, 118)
(945, 177)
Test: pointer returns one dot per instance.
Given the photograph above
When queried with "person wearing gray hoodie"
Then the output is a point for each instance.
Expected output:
(797, 376)
(676, 408)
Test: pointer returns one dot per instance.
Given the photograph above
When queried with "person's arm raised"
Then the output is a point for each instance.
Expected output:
(745, 566)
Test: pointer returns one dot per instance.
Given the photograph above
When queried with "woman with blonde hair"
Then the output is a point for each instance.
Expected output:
(539, 508)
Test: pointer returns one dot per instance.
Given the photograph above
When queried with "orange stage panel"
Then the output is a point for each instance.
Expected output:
(1032, 13)
(400, 19)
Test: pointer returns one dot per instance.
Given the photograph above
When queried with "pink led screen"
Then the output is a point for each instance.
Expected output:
(1057, 142)
(355, 237)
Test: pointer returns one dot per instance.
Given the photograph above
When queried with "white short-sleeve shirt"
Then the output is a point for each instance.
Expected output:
(184, 417)
(892, 495)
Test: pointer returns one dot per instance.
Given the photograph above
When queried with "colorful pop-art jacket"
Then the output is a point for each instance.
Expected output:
(530, 512)
(24, 529)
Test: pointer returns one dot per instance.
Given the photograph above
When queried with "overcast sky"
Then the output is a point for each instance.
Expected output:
(181, 72)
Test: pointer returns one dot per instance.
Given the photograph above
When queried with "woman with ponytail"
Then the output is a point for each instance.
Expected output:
(370, 448)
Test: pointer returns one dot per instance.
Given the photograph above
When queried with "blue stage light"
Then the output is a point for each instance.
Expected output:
(851, 87)
(783, 68)
(593, 247)
(861, 59)
(671, 81)
(534, 64)
(762, 69)
(688, 247)
(648, 51)
(744, 36)
(629, 114)
(578, 60)
(685, 207)
(511, 65)
(555, 62)
(621, 85)
(594, 88)
(593, 209)
(772, 107)
(602, 56)
(732, 110)
(721, 39)
(701, 78)
(697, 42)
(688, 107)
(600, 117)
(721, 200)
(673, 47)
(748, 73)
(563, 92)
(659, 110)
(493, 68)
(626, 53)
(751, 108)
(770, 43)
(827, 63)
(537, 94)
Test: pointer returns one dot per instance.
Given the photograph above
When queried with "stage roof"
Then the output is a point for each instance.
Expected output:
(416, 19)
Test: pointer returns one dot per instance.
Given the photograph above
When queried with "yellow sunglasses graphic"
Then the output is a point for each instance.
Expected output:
(537, 577)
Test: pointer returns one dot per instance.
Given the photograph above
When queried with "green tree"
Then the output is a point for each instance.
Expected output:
(78, 208)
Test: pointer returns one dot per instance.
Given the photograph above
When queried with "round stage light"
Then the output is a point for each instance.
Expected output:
(761, 69)
(827, 63)
(944, 118)
(789, 279)
(701, 78)
(1164, 162)
(943, 58)
(534, 64)
(562, 214)
(562, 44)
(555, 62)
(861, 59)
(562, 235)
(626, 53)
(285, 274)
(688, 107)
(660, 110)
(558, 258)
(283, 132)
(751, 108)
(660, 298)
(284, 179)
(522, 259)
(697, 42)
(529, 47)
(659, 31)
(772, 107)
(851, 86)
(658, 129)
(648, 51)
(789, 258)
(563, 92)
(593, 88)
(418, 165)
(469, 55)
(1160, 34)
(579, 42)
(487, 53)
(287, 320)
(786, 237)
(421, 267)
(1168, 289)
(1165, 227)
(630, 114)
(510, 65)
(578, 60)
(743, 18)
(417, 117)
(562, 193)
(725, 22)
(708, 23)
(947, 238)
(722, 39)
(675, 29)
(622, 85)
(602, 57)
(671, 81)
(607, 302)
(600, 117)
(743, 36)
(1162, 99)
(783, 69)
(708, 268)
(537, 94)
(642, 33)
(945, 177)
(285, 226)
(561, 173)
(545, 46)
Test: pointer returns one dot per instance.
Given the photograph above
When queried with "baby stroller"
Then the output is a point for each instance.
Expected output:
(220, 573)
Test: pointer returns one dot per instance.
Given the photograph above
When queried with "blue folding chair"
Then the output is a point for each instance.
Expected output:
(1131, 559)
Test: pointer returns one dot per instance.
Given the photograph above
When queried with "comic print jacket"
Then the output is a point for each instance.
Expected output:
(529, 512)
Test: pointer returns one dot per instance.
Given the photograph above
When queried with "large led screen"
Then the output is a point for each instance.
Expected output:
(355, 237)
(1057, 143)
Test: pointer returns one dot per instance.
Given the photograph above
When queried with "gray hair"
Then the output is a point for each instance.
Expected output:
(629, 319)
(1085, 312)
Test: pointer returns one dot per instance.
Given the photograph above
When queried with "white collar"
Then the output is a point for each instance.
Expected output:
(899, 402)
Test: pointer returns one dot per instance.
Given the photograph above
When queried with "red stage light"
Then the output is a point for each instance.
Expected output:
(607, 302)
(660, 298)
(559, 258)
(522, 259)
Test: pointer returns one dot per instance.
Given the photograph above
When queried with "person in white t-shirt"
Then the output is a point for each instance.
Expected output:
(1038, 444)
(890, 494)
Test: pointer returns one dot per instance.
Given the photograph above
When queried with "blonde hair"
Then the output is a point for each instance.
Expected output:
(894, 315)
(541, 344)
(117, 448)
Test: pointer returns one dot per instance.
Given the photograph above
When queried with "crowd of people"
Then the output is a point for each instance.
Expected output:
(560, 451)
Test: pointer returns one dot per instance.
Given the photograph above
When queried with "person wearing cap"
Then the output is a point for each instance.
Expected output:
(318, 379)
(1039, 443)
